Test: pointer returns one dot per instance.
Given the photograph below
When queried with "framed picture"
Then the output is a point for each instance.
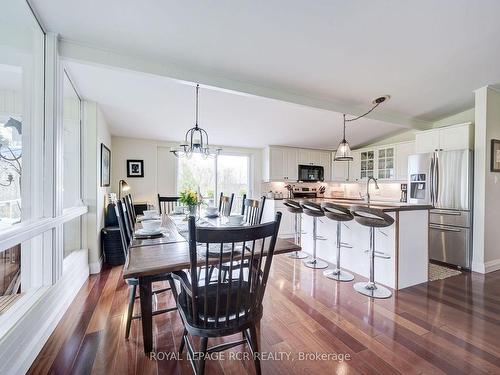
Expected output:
(105, 165)
(135, 168)
(495, 155)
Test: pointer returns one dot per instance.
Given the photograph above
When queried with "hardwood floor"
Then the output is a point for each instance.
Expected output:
(448, 326)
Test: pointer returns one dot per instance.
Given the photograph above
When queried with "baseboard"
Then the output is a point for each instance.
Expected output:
(96, 266)
(492, 265)
(21, 345)
(487, 267)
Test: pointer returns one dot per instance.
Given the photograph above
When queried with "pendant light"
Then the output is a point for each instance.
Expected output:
(343, 152)
(196, 140)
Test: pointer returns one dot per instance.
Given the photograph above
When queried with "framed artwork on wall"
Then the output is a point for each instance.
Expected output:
(105, 166)
(135, 168)
(495, 155)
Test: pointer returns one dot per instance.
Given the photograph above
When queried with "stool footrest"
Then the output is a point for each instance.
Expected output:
(379, 254)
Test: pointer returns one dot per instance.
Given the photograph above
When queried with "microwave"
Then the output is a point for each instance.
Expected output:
(311, 173)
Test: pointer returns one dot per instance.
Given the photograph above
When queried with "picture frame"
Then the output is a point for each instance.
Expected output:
(135, 168)
(495, 155)
(105, 166)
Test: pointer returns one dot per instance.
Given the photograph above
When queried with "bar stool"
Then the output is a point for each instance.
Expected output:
(373, 218)
(339, 214)
(314, 210)
(296, 209)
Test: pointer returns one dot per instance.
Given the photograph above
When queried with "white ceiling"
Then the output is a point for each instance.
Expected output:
(147, 106)
(429, 55)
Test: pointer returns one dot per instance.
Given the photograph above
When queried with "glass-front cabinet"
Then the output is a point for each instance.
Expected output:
(367, 164)
(386, 169)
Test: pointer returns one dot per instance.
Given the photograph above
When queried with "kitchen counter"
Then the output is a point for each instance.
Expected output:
(384, 206)
(405, 241)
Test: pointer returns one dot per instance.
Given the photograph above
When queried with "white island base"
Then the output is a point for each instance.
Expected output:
(405, 241)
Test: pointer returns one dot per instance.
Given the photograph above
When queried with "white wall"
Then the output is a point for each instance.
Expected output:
(97, 132)
(160, 167)
(486, 184)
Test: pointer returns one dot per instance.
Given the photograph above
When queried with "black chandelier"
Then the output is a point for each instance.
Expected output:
(195, 141)
(343, 152)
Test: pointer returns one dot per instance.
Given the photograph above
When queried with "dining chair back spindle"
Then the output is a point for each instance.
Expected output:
(218, 308)
(131, 207)
(253, 210)
(166, 205)
(225, 204)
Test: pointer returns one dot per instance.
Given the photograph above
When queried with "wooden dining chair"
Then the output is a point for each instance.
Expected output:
(225, 204)
(131, 207)
(253, 210)
(210, 309)
(167, 205)
(133, 282)
(127, 220)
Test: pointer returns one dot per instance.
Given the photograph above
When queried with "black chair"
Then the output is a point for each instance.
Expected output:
(219, 308)
(225, 204)
(253, 210)
(128, 224)
(130, 203)
(133, 282)
(166, 205)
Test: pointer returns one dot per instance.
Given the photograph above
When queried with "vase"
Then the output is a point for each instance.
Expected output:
(192, 210)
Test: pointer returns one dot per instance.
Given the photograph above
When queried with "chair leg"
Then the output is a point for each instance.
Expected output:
(255, 347)
(183, 341)
(130, 310)
(202, 353)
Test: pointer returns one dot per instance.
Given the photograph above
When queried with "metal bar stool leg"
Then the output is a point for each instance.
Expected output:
(337, 273)
(315, 262)
(298, 238)
(370, 288)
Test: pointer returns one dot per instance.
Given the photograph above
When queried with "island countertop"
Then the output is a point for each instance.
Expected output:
(384, 206)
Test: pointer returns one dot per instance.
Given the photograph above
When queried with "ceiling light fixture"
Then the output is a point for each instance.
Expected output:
(344, 152)
(195, 141)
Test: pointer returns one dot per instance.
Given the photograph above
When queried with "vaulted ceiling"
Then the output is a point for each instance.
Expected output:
(428, 55)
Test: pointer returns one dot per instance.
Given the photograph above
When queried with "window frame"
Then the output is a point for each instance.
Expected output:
(44, 176)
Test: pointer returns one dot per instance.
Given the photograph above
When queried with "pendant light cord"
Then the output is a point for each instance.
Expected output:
(197, 89)
(363, 115)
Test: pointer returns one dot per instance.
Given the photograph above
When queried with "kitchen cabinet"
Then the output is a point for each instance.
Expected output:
(403, 150)
(280, 163)
(386, 161)
(287, 224)
(456, 137)
(340, 171)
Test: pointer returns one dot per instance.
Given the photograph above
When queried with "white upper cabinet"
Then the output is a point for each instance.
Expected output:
(340, 171)
(403, 150)
(456, 137)
(280, 163)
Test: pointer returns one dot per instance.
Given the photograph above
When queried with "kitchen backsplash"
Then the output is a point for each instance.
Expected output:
(389, 191)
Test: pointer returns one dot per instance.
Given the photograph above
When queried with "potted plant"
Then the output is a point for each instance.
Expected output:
(189, 198)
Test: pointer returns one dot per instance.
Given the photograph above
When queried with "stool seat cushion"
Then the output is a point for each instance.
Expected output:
(336, 212)
(312, 209)
(293, 206)
(371, 217)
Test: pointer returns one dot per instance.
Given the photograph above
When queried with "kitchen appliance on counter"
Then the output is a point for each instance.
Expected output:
(404, 193)
(305, 192)
(444, 180)
(311, 173)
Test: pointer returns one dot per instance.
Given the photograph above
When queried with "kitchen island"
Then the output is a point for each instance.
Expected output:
(405, 241)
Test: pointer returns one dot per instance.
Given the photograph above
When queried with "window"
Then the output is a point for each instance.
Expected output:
(21, 149)
(226, 173)
(72, 164)
(232, 177)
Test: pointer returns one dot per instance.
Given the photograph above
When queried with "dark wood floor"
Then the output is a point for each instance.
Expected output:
(448, 326)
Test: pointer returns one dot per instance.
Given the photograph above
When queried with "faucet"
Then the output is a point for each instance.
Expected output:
(368, 188)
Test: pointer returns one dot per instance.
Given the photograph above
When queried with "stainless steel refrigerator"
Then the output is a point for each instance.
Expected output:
(444, 180)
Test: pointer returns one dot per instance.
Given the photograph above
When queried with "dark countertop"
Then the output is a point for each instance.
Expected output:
(384, 206)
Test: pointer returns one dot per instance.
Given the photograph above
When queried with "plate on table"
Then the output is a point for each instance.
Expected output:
(214, 249)
(143, 233)
(212, 216)
(144, 218)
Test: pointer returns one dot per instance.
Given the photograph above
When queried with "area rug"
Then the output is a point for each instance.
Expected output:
(437, 272)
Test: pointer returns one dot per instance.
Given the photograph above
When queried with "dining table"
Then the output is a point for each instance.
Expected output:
(169, 252)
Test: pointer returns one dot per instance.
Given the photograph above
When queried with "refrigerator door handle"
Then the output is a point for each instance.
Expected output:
(436, 178)
(431, 180)
(444, 228)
